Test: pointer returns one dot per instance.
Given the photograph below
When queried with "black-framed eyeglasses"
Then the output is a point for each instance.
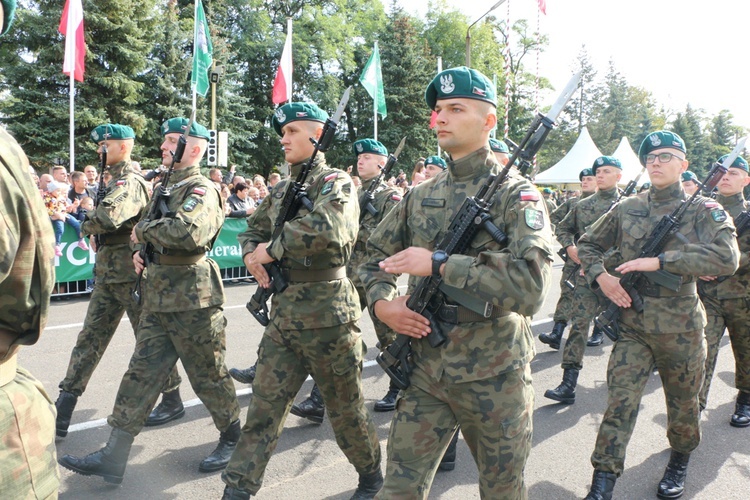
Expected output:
(663, 158)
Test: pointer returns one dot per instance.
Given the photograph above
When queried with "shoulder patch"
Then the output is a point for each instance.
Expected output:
(433, 202)
(395, 197)
(121, 182)
(534, 218)
(711, 204)
(327, 187)
(199, 191)
(190, 204)
(718, 214)
(330, 177)
(530, 196)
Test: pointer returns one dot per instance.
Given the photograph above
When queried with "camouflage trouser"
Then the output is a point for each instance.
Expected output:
(107, 304)
(195, 337)
(586, 304)
(680, 358)
(564, 307)
(28, 462)
(495, 416)
(734, 314)
(333, 356)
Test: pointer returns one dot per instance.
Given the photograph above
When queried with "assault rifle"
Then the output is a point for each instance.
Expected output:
(160, 206)
(294, 198)
(570, 281)
(369, 196)
(634, 283)
(471, 217)
(101, 191)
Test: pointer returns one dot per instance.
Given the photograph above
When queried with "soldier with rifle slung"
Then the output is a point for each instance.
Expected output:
(120, 204)
(304, 234)
(376, 199)
(658, 321)
(464, 338)
(586, 302)
(726, 297)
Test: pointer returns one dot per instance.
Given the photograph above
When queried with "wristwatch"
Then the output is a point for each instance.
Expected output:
(439, 257)
(661, 258)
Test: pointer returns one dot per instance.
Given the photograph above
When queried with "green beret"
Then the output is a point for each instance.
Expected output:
(658, 140)
(9, 12)
(586, 172)
(369, 146)
(178, 125)
(460, 82)
(738, 162)
(112, 131)
(604, 161)
(435, 160)
(294, 111)
(689, 176)
(547, 191)
(498, 146)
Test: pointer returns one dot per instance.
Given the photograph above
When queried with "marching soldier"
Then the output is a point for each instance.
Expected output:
(433, 165)
(371, 158)
(182, 314)
(313, 322)
(485, 361)
(690, 182)
(668, 333)
(586, 303)
(563, 310)
(501, 151)
(551, 205)
(111, 222)
(27, 275)
(726, 298)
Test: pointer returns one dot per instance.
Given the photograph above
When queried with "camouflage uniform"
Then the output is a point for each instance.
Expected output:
(313, 327)
(112, 220)
(668, 334)
(28, 466)
(182, 309)
(385, 199)
(728, 306)
(564, 308)
(480, 379)
(586, 302)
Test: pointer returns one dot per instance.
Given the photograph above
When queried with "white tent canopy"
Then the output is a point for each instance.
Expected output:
(631, 166)
(581, 155)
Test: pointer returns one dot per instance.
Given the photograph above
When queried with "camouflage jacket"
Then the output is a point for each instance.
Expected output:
(583, 214)
(199, 215)
(27, 271)
(551, 205)
(565, 207)
(121, 209)
(513, 277)
(385, 199)
(705, 245)
(738, 285)
(314, 240)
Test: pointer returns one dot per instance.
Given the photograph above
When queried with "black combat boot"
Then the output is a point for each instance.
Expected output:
(602, 485)
(448, 462)
(245, 376)
(741, 417)
(235, 494)
(369, 485)
(566, 391)
(672, 484)
(388, 403)
(109, 462)
(219, 458)
(312, 408)
(554, 337)
(597, 337)
(65, 404)
(169, 409)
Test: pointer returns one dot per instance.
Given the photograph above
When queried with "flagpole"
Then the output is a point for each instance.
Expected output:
(72, 119)
(375, 105)
(439, 70)
(291, 73)
(195, 37)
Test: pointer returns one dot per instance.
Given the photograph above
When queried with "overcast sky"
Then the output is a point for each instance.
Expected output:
(681, 51)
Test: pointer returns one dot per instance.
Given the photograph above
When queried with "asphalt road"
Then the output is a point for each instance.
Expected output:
(307, 463)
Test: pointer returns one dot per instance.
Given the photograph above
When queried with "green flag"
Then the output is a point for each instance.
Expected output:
(202, 52)
(372, 80)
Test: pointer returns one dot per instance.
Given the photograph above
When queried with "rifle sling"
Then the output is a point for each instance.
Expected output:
(653, 290)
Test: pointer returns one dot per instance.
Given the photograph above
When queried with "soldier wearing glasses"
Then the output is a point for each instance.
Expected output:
(668, 333)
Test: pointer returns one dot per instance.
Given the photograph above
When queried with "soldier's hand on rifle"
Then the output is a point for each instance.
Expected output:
(138, 263)
(642, 264)
(400, 318)
(254, 262)
(92, 243)
(134, 236)
(610, 286)
(572, 251)
(415, 261)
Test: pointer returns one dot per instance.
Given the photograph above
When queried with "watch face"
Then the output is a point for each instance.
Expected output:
(440, 256)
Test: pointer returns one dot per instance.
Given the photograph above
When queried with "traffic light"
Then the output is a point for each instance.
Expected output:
(213, 148)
